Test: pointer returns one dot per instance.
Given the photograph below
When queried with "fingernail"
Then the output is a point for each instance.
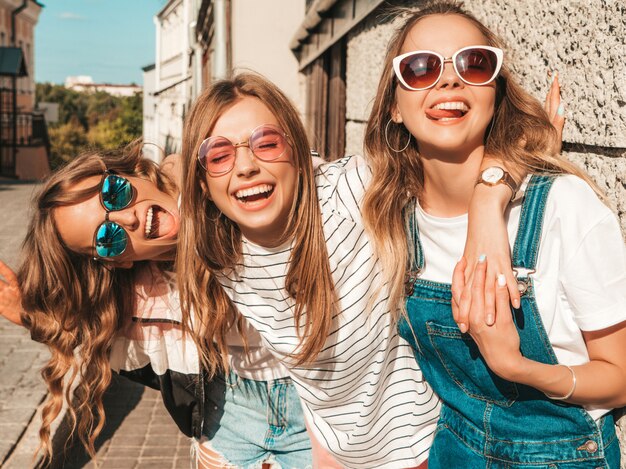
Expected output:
(482, 258)
(561, 110)
(516, 304)
(501, 280)
(554, 75)
(490, 319)
(462, 327)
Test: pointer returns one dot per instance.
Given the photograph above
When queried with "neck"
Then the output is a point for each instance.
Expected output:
(449, 180)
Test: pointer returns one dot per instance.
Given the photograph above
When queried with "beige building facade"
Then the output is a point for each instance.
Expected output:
(24, 144)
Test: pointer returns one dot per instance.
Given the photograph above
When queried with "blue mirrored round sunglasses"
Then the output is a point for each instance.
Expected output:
(110, 238)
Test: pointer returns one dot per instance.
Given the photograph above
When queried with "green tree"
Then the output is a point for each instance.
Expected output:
(66, 142)
(98, 119)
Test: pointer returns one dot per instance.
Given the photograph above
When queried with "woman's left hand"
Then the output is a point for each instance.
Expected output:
(556, 111)
(499, 344)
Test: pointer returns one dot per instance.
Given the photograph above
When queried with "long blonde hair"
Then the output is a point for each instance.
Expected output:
(520, 134)
(210, 243)
(74, 304)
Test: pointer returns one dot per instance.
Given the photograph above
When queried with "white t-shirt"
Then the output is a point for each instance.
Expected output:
(580, 283)
(364, 396)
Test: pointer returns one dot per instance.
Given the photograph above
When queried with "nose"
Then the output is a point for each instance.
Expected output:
(126, 218)
(245, 162)
(449, 78)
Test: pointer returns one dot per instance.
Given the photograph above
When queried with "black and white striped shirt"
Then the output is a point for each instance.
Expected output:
(364, 396)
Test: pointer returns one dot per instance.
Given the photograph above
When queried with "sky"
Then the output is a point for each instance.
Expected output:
(110, 40)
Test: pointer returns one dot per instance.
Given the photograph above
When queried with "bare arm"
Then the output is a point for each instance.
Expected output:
(171, 166)
(600, 382)
(487, 232)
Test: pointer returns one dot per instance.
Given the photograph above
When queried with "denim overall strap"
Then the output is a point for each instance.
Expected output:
(535, 343)
(526, 247)
(416, 253)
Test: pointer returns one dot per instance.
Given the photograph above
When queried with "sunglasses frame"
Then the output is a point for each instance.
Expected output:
(107, 210)
(245, 143)
(397, 61)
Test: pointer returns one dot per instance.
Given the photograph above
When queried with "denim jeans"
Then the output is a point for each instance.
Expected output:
(250, 422)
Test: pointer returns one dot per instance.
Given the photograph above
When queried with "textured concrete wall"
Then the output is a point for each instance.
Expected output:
(585, 40)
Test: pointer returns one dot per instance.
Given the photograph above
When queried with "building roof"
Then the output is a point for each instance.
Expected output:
(12, 62)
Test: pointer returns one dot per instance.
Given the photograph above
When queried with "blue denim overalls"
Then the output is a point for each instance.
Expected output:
(487, 421)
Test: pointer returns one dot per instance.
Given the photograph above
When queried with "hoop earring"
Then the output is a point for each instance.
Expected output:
(387, 139)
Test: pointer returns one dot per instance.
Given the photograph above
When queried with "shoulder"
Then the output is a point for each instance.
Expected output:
(341, 185)
(573, 201)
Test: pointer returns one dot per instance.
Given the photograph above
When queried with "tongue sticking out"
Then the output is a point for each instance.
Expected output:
(444, 113)
(162, 222)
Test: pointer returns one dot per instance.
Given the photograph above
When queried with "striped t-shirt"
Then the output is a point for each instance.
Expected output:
(364, 396)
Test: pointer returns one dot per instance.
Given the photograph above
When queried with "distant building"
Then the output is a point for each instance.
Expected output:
(240, 35)
(150, 132)
(24, 143)
(85, 83)
(199, 41)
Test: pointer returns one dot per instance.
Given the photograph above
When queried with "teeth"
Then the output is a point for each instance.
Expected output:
(148, 226)
(253, 191)
(452, 106)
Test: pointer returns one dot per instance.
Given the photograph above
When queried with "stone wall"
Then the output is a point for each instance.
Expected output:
(585, 40)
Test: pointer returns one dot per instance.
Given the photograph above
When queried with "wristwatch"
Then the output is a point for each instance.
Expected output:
(494, 175)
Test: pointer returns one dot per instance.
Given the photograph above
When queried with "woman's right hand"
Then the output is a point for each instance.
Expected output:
(10, 297)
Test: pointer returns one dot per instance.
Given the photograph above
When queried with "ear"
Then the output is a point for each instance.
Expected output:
(395, 114)
(205, 189)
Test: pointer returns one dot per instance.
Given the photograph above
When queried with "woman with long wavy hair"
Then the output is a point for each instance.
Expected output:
(536, 387)
(97, 287)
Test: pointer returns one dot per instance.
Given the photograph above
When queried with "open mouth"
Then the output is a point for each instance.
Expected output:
(253, 194)
(447, 111)
(158, 222)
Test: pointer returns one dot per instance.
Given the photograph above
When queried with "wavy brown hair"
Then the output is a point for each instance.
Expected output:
(520, 135)
(74, 304)
(210, 243)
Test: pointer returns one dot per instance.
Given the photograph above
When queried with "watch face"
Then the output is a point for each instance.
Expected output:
(493, 174)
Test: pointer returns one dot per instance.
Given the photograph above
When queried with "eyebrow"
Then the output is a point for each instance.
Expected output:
(222, 142)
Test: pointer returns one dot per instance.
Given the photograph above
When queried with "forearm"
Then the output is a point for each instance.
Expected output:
(598, 383)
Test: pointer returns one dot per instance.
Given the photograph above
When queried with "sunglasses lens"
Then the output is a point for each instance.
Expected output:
(268, 143)
(477, 66)
(217, 155)
(420, 70)
(117, 192)
(111, 239)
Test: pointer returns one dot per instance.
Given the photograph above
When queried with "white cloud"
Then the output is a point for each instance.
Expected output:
(68, 15)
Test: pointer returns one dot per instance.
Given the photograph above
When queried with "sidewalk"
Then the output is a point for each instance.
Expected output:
(139, 432)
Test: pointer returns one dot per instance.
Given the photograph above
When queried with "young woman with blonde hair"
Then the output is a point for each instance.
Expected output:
(97, 288)
(524, 392)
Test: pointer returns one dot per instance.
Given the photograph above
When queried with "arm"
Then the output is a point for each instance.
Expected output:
(595, 289)
(487, 232)
(10, 298)
(171, 166)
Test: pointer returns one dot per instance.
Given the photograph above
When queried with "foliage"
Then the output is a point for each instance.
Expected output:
(87, 119)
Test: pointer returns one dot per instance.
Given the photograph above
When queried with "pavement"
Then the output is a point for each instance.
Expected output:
(139, 432)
